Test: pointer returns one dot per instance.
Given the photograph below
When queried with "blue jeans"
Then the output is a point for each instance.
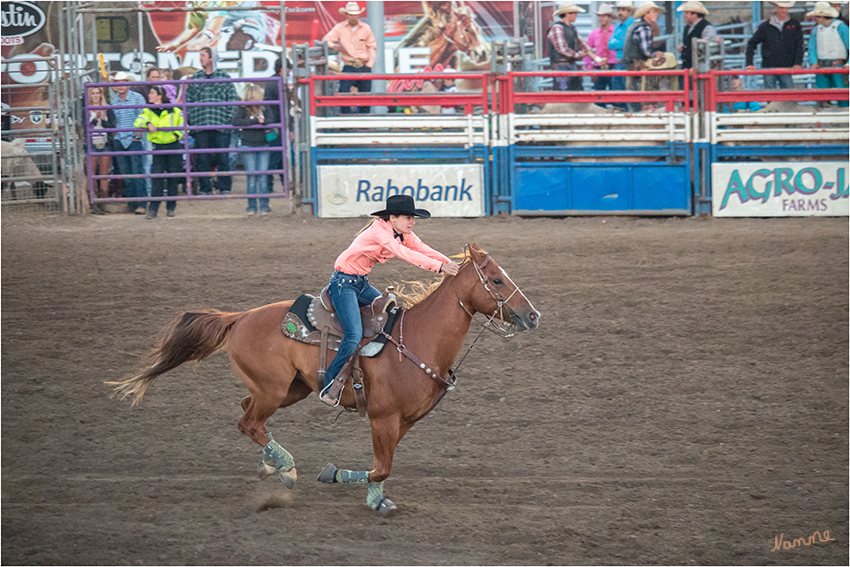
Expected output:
(257, 184)
(619, 84)
(131, 165)
(147, 160)
(348, 293)
(779, 82)
(363, 86)
(566, 83)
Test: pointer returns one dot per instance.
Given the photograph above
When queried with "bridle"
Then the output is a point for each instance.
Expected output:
(497, 325)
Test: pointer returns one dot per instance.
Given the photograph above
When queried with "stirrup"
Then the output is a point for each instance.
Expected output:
(332, 393)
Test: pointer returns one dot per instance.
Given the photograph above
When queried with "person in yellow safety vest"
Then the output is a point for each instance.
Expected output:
(153, 119)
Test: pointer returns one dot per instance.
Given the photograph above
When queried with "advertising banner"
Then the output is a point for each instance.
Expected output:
(455, 190)
(780, 189)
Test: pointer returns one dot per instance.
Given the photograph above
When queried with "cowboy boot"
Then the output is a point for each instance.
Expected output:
(332, 392)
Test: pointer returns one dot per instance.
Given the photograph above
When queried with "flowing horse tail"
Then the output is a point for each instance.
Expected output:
(191, 336)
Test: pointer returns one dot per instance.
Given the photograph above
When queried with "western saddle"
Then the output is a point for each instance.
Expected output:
(313, 320)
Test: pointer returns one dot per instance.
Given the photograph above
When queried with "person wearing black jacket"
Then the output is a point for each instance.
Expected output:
(272, 93)
(257, 138)
(781, 40)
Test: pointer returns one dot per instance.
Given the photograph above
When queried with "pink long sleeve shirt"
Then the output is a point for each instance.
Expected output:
(377, 244)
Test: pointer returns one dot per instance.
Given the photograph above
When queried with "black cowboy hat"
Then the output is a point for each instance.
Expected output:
(400, 205)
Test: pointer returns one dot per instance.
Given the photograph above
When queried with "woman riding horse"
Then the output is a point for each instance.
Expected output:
(388, 236)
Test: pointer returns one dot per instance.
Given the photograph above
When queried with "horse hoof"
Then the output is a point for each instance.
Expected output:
(265, 471)
(288, 478)
(328, 474)
(386, 508)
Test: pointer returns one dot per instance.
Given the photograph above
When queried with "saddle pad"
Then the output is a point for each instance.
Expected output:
(296, 325)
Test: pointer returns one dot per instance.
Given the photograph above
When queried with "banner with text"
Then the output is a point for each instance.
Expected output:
(780, 189)
(455, 190)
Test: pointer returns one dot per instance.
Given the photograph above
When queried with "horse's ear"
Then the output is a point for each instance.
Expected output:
(475, 252)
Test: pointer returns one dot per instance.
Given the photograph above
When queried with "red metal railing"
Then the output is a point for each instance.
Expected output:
(467, 100)
(715, 97)
(509, 97)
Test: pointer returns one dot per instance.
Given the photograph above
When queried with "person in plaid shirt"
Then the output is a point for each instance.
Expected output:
(638, 47)
(566, 47)
(211, 116)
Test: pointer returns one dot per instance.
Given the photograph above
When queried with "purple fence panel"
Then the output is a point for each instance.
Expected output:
(187, 152)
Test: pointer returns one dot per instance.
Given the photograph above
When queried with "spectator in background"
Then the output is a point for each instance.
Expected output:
(598, 41)
(565, 47)
(272, 94)
(447, 85)
(211, 116)
(838, 6)
(123, 97)
(7, 123)
(781, 40)
(697, 27)
(638, 48)
(828, 47)
(356, 45)
(258, 160)
(170, 89)
(153, 119)
(151, 74)
(736, 84)
(100, 142)
(618, 39)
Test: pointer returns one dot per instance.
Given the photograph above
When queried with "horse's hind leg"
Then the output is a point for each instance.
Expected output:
(275, 457)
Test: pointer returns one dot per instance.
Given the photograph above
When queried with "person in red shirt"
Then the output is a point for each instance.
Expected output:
(388, 236)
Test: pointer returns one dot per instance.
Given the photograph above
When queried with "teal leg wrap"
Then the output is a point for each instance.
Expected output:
(352, 477)
(277, 456)
(375, 494)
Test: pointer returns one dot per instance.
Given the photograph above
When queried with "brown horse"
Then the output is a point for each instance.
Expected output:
(279, 371)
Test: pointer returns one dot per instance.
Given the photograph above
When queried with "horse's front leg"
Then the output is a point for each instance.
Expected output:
(386, 433)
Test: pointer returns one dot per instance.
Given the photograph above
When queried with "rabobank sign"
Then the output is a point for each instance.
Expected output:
(451, 190)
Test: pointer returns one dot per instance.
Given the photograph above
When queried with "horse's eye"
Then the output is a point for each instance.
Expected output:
(497, 282)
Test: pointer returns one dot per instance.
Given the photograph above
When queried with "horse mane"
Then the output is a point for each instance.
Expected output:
(410, 293)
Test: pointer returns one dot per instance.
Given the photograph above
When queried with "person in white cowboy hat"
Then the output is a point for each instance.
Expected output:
(565, 46)
(357, 48)
(625, 18)
(639, 47)
(697, 27)
(122, 98)
(781, 40)
(597, 41)
(828, 47)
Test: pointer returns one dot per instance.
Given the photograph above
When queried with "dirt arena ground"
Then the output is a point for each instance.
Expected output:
(685, 400)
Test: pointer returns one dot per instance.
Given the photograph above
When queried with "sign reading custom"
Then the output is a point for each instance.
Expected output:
(20, 19)
(455, 190)
(780, 189)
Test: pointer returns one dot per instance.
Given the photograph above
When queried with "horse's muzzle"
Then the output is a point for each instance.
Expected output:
(526, 321)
